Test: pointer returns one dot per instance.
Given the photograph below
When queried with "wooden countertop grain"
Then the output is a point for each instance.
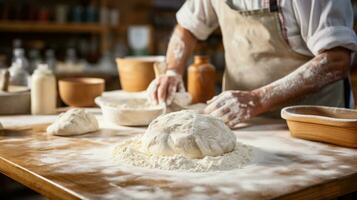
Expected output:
(81, 167)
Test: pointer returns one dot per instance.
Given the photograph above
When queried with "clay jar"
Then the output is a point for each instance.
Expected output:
(136, 73)
(201, 79)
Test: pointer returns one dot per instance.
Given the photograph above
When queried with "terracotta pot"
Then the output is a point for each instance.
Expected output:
(80, 92)
(136, 73)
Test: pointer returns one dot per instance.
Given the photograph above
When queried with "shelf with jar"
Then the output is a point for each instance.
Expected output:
(24, 26)
(96, 18)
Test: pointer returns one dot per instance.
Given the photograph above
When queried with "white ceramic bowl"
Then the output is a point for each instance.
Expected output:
(16, 101)
(115, 109)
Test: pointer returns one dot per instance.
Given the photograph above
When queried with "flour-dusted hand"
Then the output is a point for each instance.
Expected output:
(163, 88)
(234, 107)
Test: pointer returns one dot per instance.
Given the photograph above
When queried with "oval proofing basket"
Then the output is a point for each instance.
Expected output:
(324, 124)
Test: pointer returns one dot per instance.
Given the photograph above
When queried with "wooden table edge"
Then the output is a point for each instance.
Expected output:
(327, 190)
(36, 182)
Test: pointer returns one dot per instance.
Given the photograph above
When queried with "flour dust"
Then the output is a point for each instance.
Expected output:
(128, 152)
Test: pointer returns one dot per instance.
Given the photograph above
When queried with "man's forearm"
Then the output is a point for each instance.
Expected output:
(322, 70)
(180, 48)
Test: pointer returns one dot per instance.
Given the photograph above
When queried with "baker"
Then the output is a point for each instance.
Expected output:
(277, 53)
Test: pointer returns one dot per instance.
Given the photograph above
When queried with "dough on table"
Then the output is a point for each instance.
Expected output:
(182, 99)
(73, 122)
(189, 134)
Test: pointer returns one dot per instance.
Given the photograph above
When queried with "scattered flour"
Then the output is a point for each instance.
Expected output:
(128, 152)
(278, 160)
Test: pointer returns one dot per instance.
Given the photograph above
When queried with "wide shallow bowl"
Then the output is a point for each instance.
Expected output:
(80, 92)
(136, 73)
(325, 124)
(115, 111)
(16, 101)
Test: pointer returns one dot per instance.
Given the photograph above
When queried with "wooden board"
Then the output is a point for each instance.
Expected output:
(81, 167)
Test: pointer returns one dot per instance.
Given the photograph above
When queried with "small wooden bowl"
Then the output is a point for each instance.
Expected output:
(325, 124)
(80, 92)
(136, 73)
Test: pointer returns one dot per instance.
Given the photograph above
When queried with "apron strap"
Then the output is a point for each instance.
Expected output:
(273, 5)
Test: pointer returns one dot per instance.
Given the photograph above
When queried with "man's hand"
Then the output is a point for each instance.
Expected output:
(234, 107)
(181, 46)
(163, 88)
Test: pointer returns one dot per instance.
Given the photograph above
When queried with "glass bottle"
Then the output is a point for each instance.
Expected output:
(18, 76)
(20, 59)
(43, 91)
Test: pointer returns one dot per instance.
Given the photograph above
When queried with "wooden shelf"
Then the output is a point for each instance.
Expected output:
(17, 26)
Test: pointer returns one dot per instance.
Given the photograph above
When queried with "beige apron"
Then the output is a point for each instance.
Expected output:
(256, 53)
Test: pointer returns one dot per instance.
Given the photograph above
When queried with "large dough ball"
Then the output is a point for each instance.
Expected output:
(189, 134)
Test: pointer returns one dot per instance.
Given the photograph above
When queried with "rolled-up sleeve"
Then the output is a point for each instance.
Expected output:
(326, 24)
(199, 17)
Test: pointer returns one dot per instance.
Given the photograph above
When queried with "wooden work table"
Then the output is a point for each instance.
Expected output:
(82, 168)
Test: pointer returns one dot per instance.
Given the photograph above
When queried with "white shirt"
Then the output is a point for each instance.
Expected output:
(311, 25)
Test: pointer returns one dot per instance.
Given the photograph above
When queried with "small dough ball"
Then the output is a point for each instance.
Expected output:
(73, 122)
(189, 134)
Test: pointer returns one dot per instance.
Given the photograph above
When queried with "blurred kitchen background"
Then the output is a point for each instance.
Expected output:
(83, 37)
